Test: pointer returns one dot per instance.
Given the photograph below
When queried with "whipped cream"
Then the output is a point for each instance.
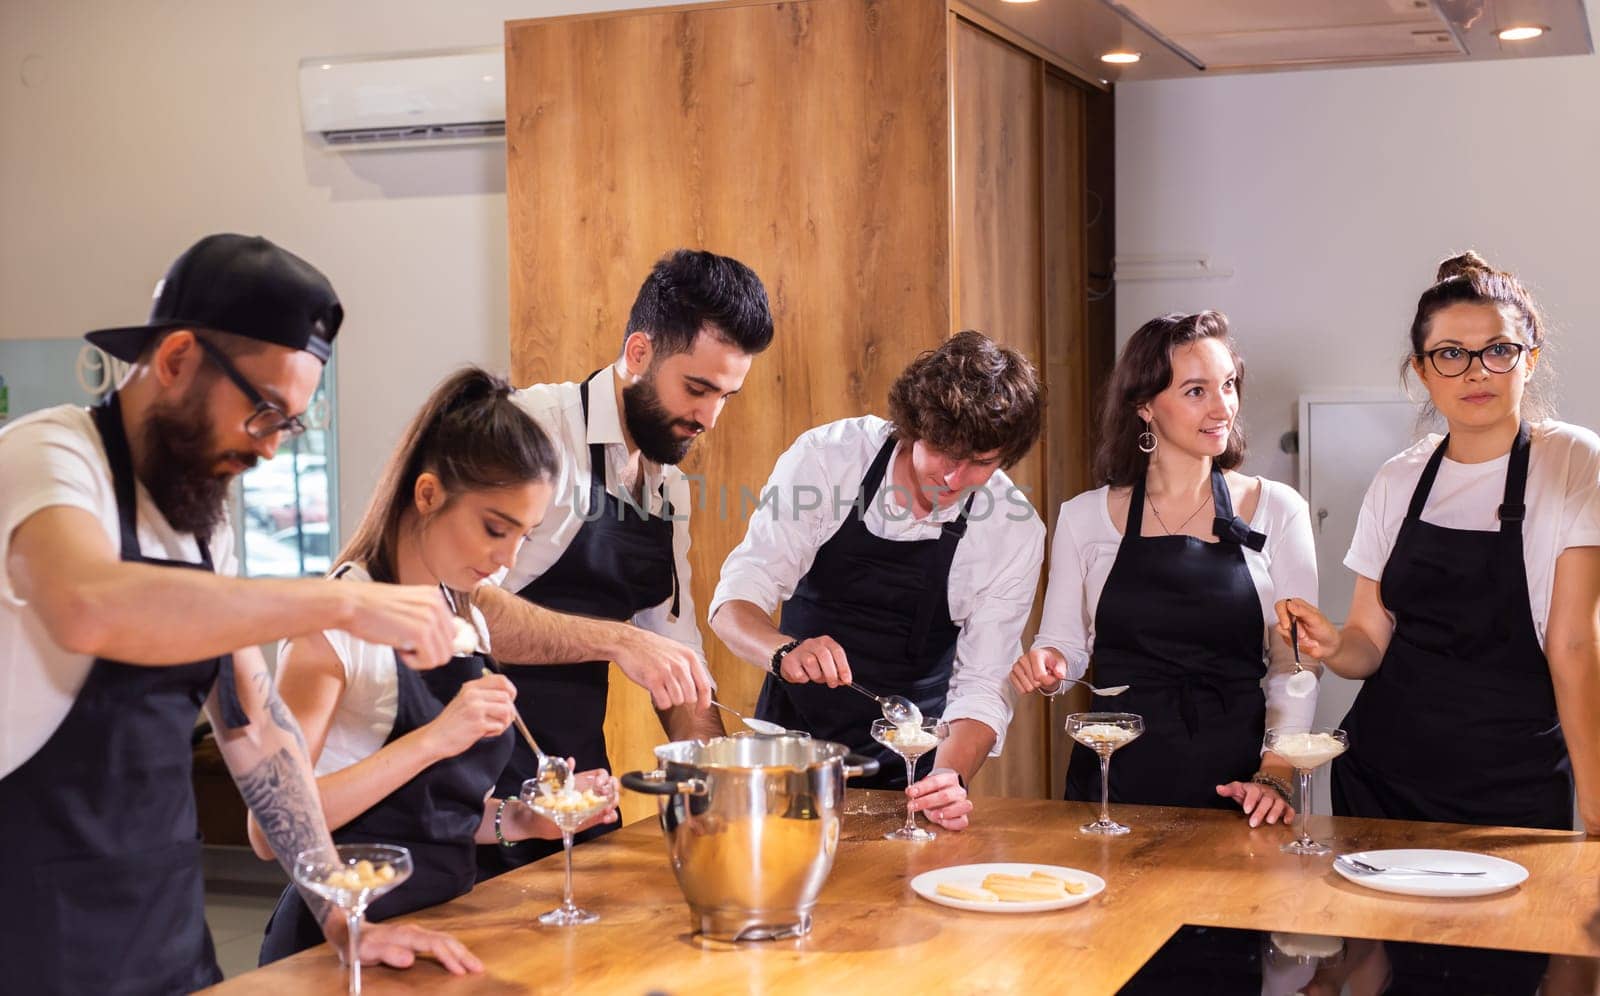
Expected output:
(1103, 735)
(1307, 750)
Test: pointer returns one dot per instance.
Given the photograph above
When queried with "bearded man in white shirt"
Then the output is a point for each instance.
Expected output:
(914, 574)
(605, 576)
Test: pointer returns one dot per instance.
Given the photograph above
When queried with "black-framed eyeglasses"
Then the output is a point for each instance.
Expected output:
(268, 419)
(1497, 357)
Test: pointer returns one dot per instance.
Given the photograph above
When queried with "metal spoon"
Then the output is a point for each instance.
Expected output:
(758, 725)
(1362, 868)
(897, 709)
(554, 773)
(1299, 687)
(1109, 690)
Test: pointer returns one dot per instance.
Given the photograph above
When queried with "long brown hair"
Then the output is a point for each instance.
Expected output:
(1145, 370)
(470, 435)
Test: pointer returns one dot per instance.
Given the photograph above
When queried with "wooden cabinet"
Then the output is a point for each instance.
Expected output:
(893, 171)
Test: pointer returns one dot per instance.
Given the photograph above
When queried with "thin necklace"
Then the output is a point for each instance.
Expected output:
(1173, 532)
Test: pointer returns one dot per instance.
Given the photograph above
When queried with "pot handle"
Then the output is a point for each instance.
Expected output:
(858, 766)
(655, 783)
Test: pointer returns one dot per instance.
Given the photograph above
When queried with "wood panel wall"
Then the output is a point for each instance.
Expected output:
(809, 140)
(892, 171)
(997, 192)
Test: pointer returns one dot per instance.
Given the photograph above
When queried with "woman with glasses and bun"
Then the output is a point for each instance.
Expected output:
(1165, 578)
(411, 757)
(1474, 620)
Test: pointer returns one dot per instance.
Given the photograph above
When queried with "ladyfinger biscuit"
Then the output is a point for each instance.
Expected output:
(952, 891)
(1073, 887)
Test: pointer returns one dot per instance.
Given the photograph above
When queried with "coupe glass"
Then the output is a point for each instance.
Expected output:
(569, 811)
(1103, 733)
(912, 744)
(351, 881)
(1307, 749)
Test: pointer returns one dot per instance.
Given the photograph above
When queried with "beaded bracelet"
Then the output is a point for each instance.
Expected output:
(1273, 782)
(498, 833)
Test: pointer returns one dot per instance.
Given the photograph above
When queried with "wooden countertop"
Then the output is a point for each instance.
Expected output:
(872, 934)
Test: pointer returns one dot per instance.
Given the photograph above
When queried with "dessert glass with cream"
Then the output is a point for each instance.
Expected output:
(1103, 733)
(911, 741)
(351, 878)
(570, 806)
(1308, 750)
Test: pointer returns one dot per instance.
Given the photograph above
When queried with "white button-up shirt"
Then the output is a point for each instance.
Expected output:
(558, 409)
(992, 579)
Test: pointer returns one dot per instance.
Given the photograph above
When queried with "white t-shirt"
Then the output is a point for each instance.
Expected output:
(993, 576)
(1085, 547)
(54, 458)
(1562, 498)
(365, 715)
(558, 410)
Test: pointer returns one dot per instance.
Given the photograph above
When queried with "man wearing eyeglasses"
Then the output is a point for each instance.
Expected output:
(120, 619)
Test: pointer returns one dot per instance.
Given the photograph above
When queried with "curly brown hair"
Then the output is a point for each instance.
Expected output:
(971, 395)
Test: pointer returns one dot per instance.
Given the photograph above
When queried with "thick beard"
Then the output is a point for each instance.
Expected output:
(651, 425)
(176, 467)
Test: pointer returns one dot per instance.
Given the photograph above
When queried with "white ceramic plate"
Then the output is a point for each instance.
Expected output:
(1499, 876)
(971, 876)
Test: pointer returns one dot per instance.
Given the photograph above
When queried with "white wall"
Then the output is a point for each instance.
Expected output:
(128, 129)
(1334, 194)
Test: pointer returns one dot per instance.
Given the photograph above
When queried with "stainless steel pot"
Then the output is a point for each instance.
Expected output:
(751, 824)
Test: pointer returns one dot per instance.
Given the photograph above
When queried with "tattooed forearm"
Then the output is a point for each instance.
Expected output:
(284, 718)
(288, 810)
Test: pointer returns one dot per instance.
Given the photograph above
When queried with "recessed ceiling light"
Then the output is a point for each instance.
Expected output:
(1521, 32)
(1121, 58)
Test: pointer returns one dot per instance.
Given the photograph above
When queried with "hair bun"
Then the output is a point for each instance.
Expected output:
(1466, 264)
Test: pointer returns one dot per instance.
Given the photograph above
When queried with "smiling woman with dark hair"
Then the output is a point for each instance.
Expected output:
(1156, 580)
(1474, 619)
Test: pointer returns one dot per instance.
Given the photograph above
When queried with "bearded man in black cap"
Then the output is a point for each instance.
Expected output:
(119, 620)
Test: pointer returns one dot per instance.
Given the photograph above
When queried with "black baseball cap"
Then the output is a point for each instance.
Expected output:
(243, 285)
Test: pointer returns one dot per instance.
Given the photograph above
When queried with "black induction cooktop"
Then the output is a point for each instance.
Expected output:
(1225, 962)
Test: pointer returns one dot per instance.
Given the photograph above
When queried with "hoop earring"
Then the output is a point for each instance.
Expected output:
(1147, 440)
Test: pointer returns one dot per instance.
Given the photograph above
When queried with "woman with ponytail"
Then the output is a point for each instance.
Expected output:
(411, 757)
(1474, 620)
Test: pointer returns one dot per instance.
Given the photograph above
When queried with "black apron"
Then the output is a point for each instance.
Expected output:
(619, 563)
(435, 815)
(103, 891)
(1180, 621)
(1459, 722)
(887, 603)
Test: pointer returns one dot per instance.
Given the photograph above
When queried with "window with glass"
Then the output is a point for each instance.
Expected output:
(288, 521)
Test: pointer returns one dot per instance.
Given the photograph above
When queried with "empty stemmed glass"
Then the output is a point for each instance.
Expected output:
(587, 797)
(1307, 749)
(1103, 733)
(910, 741)
(351, 880)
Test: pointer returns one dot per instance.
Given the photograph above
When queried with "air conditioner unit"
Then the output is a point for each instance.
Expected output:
(434, 98)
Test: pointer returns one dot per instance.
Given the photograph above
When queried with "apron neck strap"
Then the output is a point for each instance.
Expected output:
(1512, 509)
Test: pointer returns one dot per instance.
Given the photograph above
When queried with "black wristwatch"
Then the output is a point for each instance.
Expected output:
(778, 656)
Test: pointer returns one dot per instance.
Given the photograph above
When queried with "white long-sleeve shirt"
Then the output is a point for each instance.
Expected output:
(993, 576)
(558, 409)
(1086, 544)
